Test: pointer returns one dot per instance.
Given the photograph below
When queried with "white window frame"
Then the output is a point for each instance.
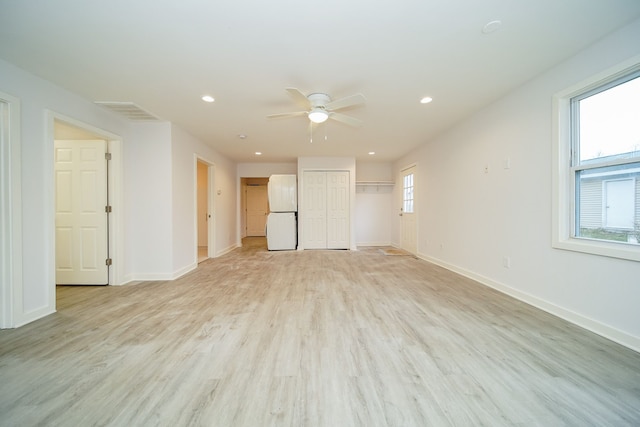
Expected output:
(563, 174)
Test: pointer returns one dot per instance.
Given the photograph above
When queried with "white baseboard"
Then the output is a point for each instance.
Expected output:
(33, 316)
(227, 250)
(184, 270)
(373, 244)
(587, 323)
(155, 277)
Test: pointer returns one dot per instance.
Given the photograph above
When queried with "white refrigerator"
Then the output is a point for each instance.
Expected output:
(282, 227)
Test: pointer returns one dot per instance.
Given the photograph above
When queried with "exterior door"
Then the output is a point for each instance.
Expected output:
(314, 217)
(81, 218)
(408, 226)
(257, 210)
(338, 210)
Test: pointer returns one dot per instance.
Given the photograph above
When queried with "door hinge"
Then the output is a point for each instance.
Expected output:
(107, 156)
(109, 261)
(107, 209)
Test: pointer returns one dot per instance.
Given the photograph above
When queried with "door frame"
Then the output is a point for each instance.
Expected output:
(115, 197)
(211, 228)
(11, 289)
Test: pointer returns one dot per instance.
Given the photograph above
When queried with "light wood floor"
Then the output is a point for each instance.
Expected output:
(312, 338)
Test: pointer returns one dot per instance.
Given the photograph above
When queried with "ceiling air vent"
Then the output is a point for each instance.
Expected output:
(129, 110)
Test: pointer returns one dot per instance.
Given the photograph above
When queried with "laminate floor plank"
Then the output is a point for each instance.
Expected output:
(311, 338)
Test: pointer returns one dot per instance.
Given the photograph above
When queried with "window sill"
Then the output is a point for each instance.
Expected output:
(627, 251)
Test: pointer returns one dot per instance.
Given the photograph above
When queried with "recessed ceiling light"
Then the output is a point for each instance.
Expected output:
(258, 153)
(208, 98)
(492, 26)
(242, 136)
(371, 153)
(426, 100)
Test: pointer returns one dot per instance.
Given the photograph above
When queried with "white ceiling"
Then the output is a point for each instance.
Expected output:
(164, 55)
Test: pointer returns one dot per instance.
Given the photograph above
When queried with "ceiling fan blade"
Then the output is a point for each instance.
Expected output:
(283, 115)
(299, 98)
(345, 102)
(348, 120)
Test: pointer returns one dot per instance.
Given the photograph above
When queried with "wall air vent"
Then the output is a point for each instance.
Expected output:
(129, 110)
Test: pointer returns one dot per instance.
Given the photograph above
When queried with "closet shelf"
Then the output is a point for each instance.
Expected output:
(374, 183)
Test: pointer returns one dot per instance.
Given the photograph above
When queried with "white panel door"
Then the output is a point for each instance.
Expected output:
(408, 212)
(314, 218)
(257, 210)
(338, 210)
(81, 220)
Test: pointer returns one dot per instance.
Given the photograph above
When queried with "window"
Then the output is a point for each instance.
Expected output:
(597, 149)
(407, 198)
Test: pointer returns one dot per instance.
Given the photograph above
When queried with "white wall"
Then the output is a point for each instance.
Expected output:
(265, 170)
(148, 201)
(470, 220)
(373, 206)
(158, 233)
(37, 97)
(185, 149)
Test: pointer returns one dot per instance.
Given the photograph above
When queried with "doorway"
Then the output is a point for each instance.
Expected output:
(66, 128)
(408, 226)
(257, 210)
(254, 207)
(204, 209)
(10, 212)
(202, 191)
(82, 206)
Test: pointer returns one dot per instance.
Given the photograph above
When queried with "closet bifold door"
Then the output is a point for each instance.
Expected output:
(326, 210)
(337, 210)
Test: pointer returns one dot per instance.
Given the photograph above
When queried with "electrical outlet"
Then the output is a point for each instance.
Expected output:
(506, 262)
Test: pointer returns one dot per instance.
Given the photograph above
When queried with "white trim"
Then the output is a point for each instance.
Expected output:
(372, 244)
(613, 173)
(227, 250)
(211, 196)
(587, 323)
(11, 287)
(211, 185)
(563, 185)
(187, 269)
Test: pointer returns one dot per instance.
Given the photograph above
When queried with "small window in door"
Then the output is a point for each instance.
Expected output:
(407, 197)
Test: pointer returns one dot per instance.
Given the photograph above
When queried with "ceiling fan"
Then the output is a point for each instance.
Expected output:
(319, 107)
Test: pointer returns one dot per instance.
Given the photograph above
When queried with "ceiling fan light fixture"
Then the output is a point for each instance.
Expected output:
(318, 115)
